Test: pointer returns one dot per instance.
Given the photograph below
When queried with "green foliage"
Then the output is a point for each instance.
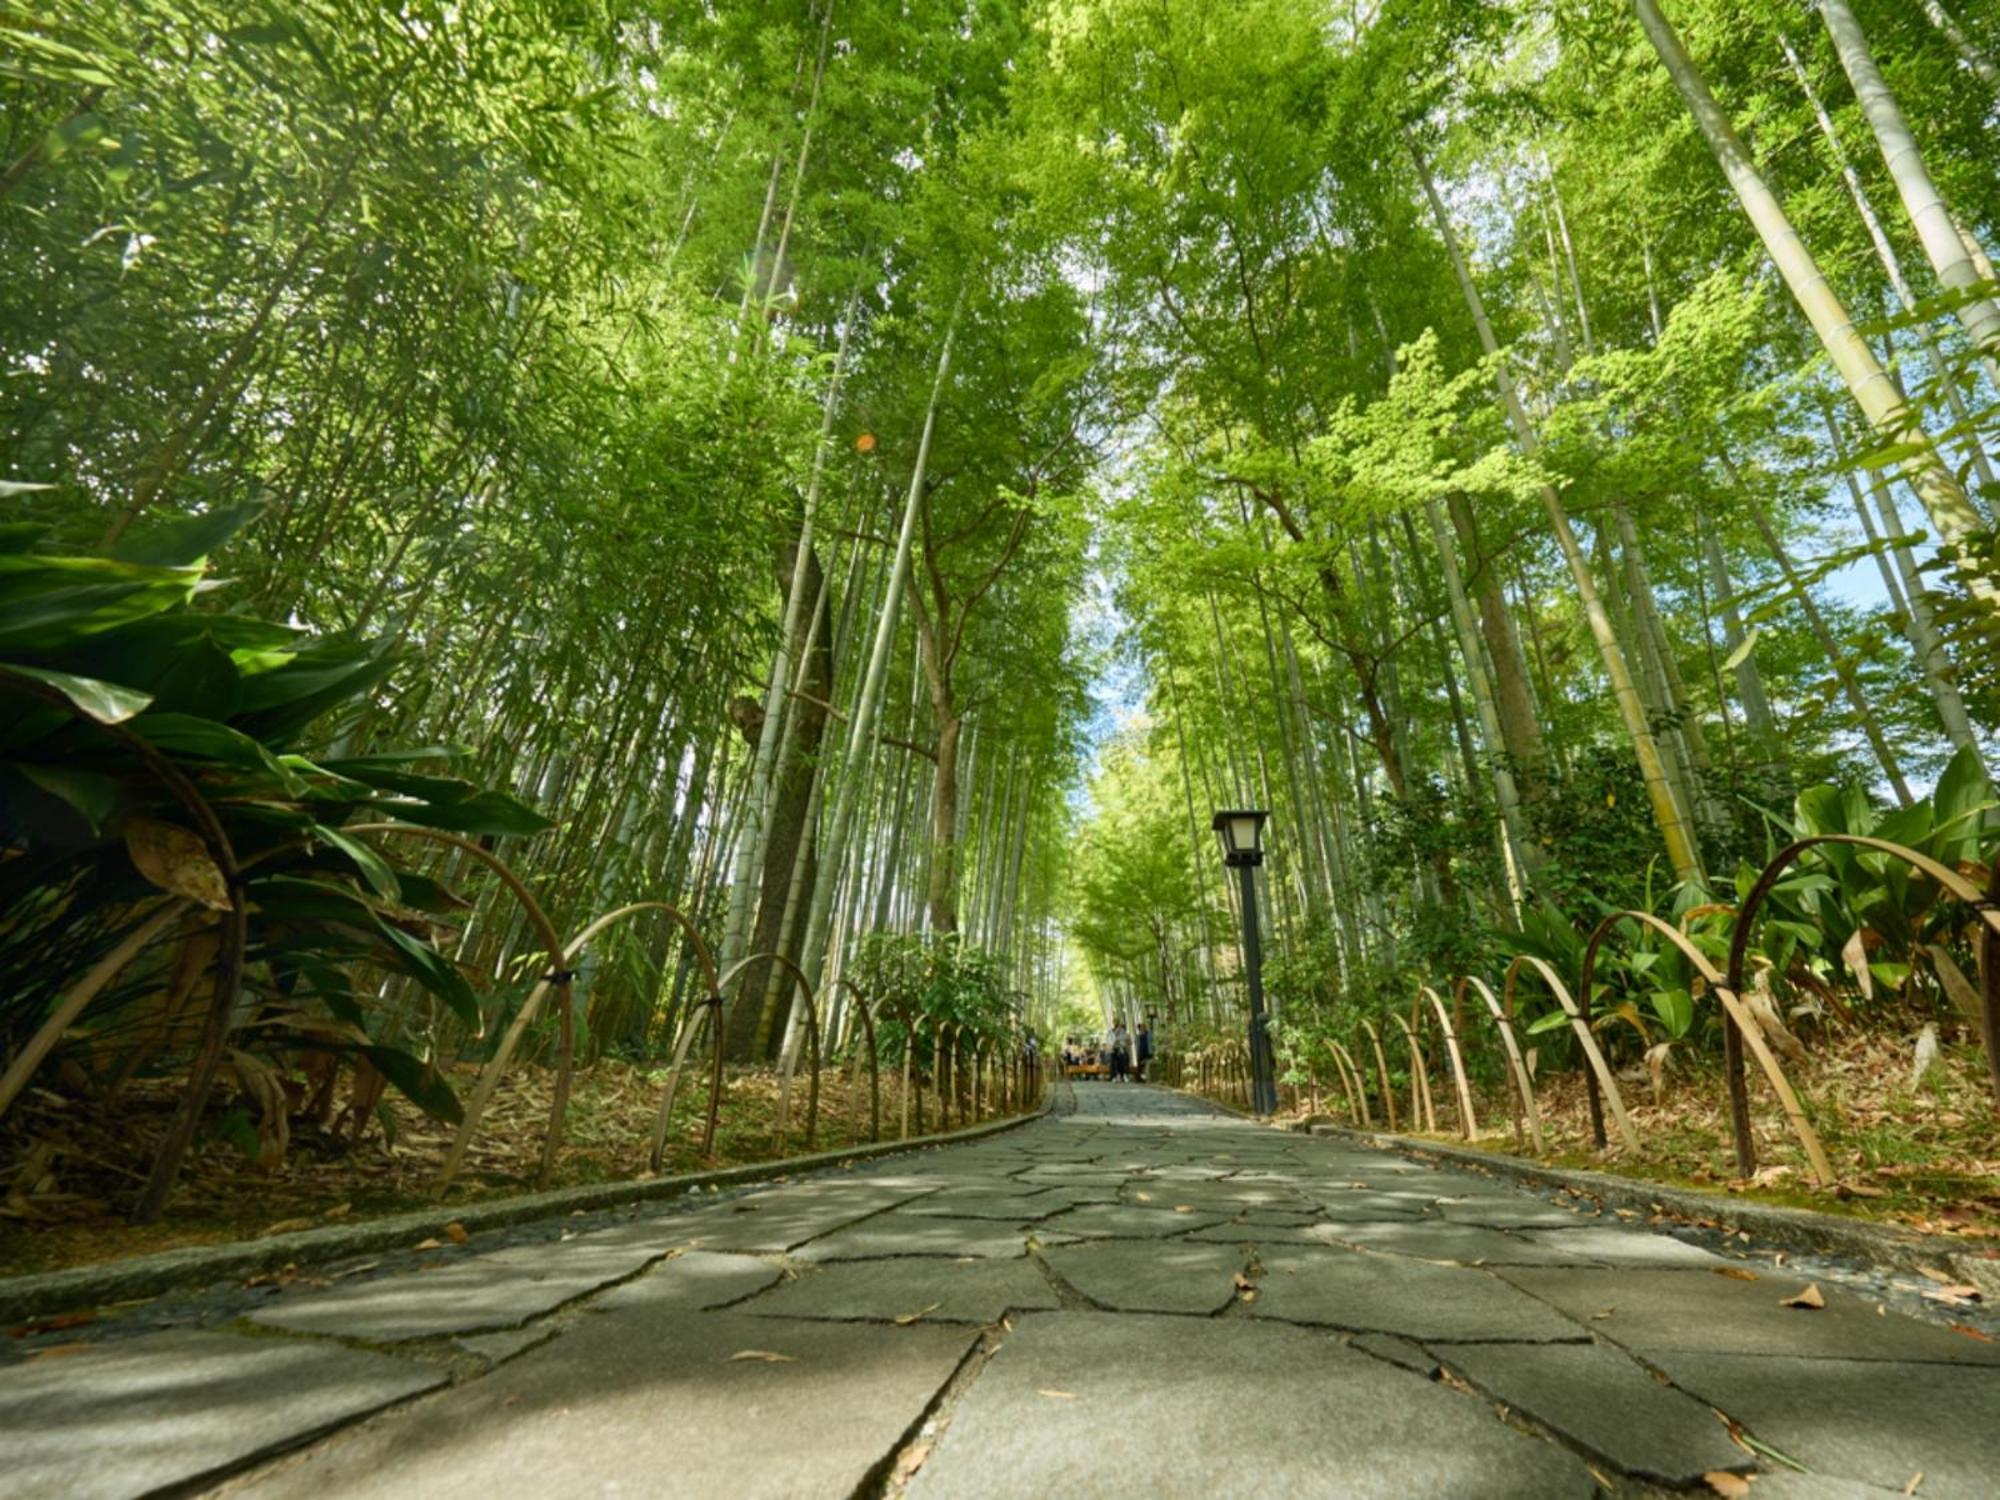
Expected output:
(131, 716)
(1841, 909)
(920, 982)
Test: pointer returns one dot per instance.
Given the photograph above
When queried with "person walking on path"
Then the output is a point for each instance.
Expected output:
(1121, 1053)
(1142, 1052)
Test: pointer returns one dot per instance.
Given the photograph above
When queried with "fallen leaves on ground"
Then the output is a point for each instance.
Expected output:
(1811, 1298)
(765, 1356)
(456, 1232)
(70, 1207)
(903, 1320)
(51, 1324)
(1055, 1395)
(1736, 1273)
(1923, 1159)
(1727, 1484)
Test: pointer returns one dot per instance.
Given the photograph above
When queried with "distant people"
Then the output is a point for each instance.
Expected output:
(1121, 1053)
(1142, 1051)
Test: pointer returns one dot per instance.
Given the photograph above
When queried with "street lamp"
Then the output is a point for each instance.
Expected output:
(1242, 834)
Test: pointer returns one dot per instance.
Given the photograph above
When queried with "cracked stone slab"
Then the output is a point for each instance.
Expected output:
(933, 1291)
(1216, 1198)
(171, 1409)
(1699, 1311)
(1868, 1421)
(1783, 1484)
(1249, 1232)
(1386, 1177)
(1189, 1172)
(1610, 1246)
(901, 1234)
(1127, 1277)
(1121, 1221)
(768, 1223)
(1466, 1244)
(692, 1281)
(1360, 1206)
(993, 1203)
(1141, 1408)
(1600, 1399)
(649, 1403)
(495, 1347)
(1509, 1211)
(1040, 1178)
(1397, 1351)
(1388, 1294)
(502, 1290)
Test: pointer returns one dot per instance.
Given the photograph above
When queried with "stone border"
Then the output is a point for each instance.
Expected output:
(1788, 1228)
(50, 1292)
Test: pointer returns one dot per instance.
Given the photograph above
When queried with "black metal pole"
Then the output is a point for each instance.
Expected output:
(1263, 1063)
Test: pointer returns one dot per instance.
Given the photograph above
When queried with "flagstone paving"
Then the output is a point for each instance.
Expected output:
(1136, 1295)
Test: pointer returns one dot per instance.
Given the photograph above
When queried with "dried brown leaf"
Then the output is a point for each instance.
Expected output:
(1958, 1295)
(51, 1324)
(1722, 1482)
(1736, 1273)
(176, 860)
(912, 1459)
(1812, 1298)
(905, 1319)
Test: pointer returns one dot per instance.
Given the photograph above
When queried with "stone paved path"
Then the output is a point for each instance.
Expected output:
(1137, 1296)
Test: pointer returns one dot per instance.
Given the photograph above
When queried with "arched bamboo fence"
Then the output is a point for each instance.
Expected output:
(1741, 1029)
(1740, 1025)
(1503, 1022)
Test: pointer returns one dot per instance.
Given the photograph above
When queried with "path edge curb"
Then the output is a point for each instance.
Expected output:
(48, 1293)
(1770, 1223)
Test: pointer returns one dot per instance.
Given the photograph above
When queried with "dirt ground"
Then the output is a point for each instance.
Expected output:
(1926, 1156)
(69, 1168)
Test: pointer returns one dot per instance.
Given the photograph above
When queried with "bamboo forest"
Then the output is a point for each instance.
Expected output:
(597, 594)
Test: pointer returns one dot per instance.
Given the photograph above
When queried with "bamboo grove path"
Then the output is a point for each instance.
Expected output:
(1135, 1295)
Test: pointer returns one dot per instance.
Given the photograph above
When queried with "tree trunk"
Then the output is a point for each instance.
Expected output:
(1892, 267)
(1749, 680)
(1944, 499)
(1856, 699)
(1969, 52)
(867, 709)
(941, 897)
(1674, 832)
(1932, 220)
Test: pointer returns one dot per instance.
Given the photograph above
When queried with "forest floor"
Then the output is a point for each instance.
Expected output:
(1925, 1156)
(67, 1166)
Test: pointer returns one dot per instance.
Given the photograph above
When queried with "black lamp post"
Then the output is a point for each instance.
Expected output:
(1242, 834)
